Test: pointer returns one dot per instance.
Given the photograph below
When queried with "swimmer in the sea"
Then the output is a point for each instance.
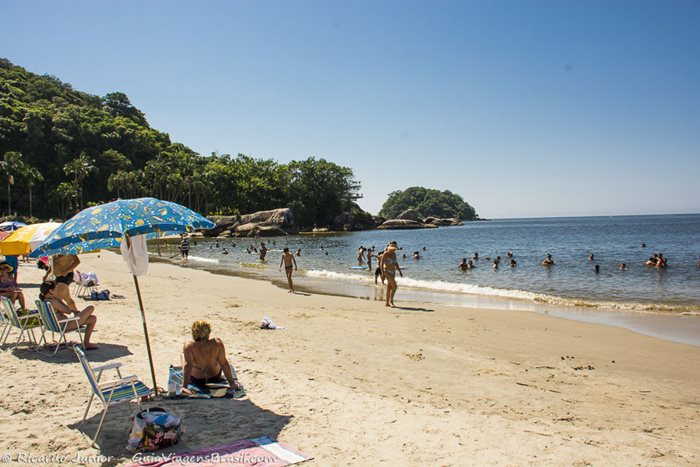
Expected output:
(463, 265)
(623, 267)
(548, 261)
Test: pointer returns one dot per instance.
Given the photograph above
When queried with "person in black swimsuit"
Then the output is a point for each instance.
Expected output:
(290, 264)
(62, 268)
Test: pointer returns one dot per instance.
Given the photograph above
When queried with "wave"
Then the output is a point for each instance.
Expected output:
(512, 294)
(204, 260)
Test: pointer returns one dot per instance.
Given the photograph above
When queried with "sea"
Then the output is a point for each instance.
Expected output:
(645, 296)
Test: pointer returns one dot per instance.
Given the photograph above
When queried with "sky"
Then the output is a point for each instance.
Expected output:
(524, 108)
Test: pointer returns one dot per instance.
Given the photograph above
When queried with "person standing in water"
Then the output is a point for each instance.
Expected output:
(361, 255)
(290, 264)
(389, 264)
(185, 247)
(263, 251)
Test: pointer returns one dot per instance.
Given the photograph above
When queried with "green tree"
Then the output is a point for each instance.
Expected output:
(12, 165)
(79, 169)
(32, 175)
(428, 203)
(319, 190)
(67, 196)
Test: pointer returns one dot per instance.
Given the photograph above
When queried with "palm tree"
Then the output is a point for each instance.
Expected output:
(11, 165)
(65, 193)
(80, 168)
(32, 175)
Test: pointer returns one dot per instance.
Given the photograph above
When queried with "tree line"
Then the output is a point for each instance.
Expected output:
(62, 150)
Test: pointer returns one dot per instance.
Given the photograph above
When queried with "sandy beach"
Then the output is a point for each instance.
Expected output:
(351, 382)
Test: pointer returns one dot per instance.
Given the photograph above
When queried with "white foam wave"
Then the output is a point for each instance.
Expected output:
(336, 275)
(472, 289)
(204, 260)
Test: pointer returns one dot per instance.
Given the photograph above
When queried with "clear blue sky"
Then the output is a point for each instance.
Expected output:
(525, 108)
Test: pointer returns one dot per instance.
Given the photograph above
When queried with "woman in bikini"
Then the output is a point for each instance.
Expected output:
(62, 268)
(204, 360)
(47, 293)
(389, 264)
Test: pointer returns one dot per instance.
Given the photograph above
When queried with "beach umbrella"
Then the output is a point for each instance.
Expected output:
(24, 240)
(129, 221)
(10, 226)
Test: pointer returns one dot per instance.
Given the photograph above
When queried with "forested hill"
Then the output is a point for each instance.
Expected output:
(428, 202)
(62, 149)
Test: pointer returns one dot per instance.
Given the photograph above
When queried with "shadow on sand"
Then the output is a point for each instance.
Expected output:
(413, 308)
(104, 353)
(205, 422)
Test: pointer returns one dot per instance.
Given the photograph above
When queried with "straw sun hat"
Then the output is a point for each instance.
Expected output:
(392, 246)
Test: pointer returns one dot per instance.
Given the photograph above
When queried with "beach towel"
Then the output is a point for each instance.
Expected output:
(135, 256)
(258, 452)
(175, 377)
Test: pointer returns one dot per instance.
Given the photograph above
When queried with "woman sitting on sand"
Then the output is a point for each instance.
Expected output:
(47, 293)
(204, 360)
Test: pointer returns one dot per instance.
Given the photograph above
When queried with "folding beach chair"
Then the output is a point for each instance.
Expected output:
(24, 324)
(50, 322)
(123, 389)
(85, 284)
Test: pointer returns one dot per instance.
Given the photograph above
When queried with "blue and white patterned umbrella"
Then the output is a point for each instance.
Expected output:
(105, 225)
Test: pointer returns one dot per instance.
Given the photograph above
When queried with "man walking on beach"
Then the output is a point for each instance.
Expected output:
(290, 264)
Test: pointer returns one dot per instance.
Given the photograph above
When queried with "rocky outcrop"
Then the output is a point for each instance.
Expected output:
(396, 224)
(282, 218)
(410, 215)
(442, 222)
(349, 222)
(257, 230)
(272, 223)
(223, 223)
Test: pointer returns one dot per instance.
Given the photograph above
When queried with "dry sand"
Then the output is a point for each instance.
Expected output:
(354, 383)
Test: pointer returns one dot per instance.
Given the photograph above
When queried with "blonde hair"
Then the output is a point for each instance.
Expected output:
(201, 330)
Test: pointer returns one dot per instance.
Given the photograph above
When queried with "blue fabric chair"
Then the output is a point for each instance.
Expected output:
(118, 391)
(50, 322)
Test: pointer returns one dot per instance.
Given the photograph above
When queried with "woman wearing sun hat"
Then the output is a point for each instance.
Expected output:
(8, 287)
(389, 264)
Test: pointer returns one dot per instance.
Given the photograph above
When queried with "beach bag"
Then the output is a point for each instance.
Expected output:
(101, 295)
(153, 429)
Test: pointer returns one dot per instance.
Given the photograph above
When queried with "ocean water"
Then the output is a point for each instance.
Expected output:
(326, 262)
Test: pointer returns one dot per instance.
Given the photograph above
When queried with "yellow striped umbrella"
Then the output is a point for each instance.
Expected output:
(25, 239)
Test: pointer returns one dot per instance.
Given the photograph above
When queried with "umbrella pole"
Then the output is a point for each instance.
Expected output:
(145, 333)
